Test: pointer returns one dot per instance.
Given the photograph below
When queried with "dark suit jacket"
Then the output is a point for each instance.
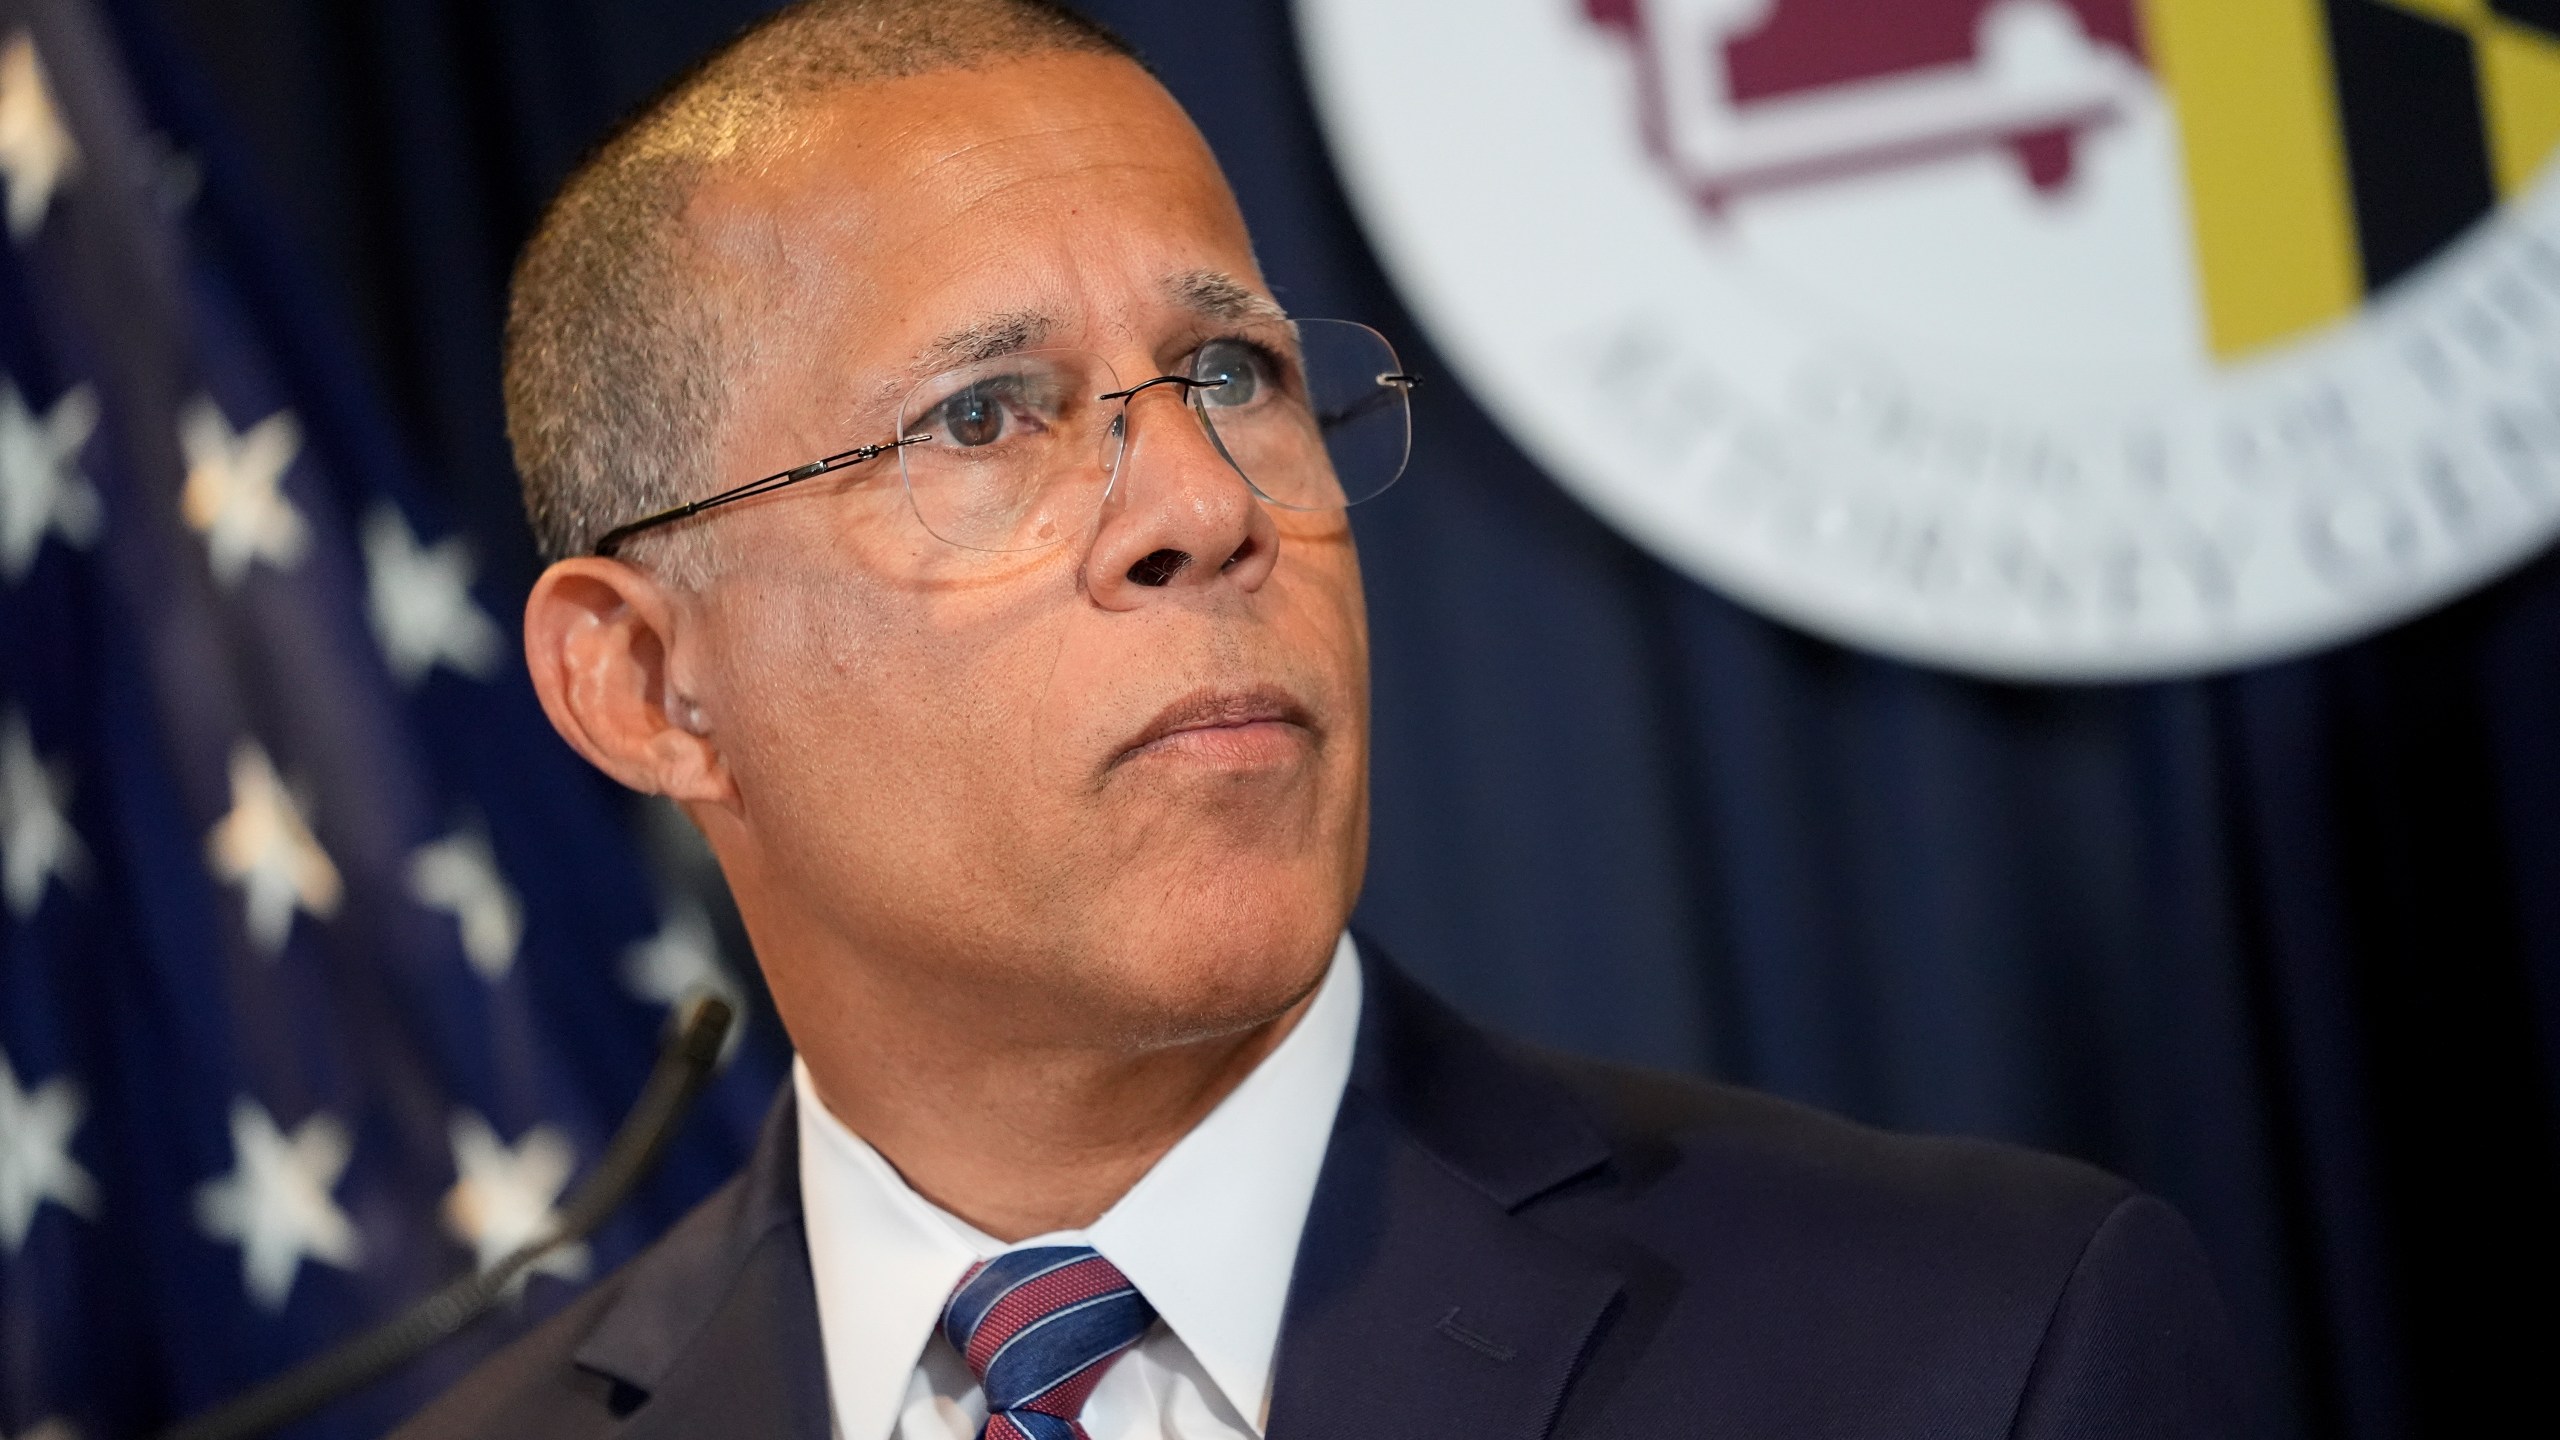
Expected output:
(1506, 1246)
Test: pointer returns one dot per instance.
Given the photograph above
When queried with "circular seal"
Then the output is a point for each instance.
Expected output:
(2048, 339)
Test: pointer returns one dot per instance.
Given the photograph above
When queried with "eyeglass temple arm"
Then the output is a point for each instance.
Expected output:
(1391, 388)
(614, 539)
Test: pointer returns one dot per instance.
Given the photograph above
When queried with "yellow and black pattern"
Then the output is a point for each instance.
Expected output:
(2332, 146)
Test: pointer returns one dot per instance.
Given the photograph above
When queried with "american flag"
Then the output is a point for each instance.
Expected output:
(325, 969)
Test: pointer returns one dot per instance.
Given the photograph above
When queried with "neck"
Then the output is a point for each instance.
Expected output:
(1016, 1139)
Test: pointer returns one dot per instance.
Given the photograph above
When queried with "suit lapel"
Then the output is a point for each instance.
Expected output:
(716, 1331)
(1423, 1304)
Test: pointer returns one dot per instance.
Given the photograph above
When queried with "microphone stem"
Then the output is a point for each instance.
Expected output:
(684, 1065)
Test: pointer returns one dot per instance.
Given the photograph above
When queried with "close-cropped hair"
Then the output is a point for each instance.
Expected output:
(617, 337)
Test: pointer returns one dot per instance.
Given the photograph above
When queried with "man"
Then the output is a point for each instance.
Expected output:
(1024, 704)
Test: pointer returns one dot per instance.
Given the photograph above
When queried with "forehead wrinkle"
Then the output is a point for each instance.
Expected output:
(984, 170)
(1036, 131)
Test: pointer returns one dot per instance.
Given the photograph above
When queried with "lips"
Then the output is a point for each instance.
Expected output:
(1210, 716)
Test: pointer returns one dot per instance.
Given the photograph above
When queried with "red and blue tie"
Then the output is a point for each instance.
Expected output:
(1038, 1328)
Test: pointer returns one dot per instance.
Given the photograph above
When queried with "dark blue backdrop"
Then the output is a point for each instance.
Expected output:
(2284, 945)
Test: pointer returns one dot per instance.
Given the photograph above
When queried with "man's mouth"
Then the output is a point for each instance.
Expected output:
(1255, 726)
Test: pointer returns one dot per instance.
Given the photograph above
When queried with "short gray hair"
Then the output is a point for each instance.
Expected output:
(615, 344)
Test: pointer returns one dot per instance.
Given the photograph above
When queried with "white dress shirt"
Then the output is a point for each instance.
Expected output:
(1209, 1236)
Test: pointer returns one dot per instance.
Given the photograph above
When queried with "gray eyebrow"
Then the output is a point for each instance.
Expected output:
(987, 339)
(1210, 293)
(1221, 296)
(976, 341)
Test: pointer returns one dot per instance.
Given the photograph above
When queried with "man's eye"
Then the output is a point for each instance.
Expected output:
(1236, 374)
(972, 418)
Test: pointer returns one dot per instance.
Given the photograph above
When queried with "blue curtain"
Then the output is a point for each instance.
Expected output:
(2283, 946)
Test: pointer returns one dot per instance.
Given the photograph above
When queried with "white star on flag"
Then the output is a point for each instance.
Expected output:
(36, 843)
(502, 1197)
(275, 1204)
(264, 847)
(420, 599)
(36, 152)
(681, 961)
(458, 875)
(234, 495)
(36, 1127)
(41, 485)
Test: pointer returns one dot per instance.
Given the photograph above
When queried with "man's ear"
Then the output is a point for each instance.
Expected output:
(602, 639)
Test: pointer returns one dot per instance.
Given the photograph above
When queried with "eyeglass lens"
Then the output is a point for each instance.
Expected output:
(1021, 451)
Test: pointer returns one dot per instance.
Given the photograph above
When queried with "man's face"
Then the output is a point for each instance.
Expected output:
(1032, 784)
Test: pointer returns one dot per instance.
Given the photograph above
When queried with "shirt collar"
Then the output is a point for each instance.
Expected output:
(1209, 1235)
(882, 1259)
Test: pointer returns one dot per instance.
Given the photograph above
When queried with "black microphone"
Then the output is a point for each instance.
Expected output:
(685, 1062)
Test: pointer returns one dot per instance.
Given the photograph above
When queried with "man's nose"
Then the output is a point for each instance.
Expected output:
(1180, 517)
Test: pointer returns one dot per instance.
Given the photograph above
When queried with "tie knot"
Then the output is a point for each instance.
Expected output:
(1038, 1328)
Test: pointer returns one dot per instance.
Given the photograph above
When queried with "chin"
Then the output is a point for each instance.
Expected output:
(1216, 965)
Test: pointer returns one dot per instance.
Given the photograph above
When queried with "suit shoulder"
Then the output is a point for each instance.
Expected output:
(1789, 1173)
(535, 1384)
(1808, 1275)
(532, 1386)
(1802, 1274)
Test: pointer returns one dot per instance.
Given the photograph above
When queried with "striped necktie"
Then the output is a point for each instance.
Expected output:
(1038, 1328)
